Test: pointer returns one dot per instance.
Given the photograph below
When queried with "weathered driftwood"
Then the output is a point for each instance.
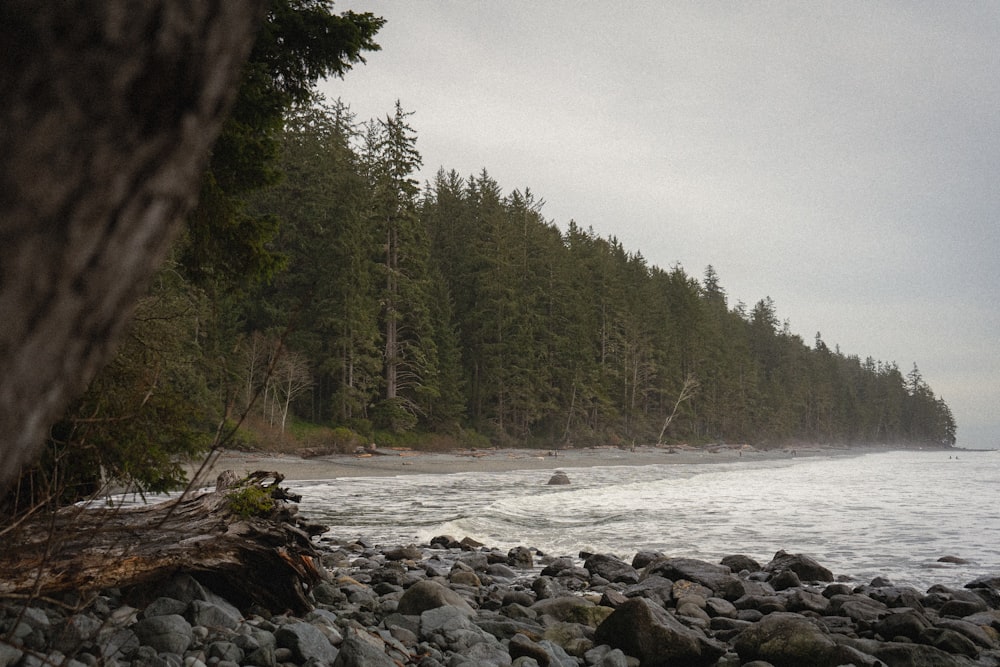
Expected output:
(266, 559)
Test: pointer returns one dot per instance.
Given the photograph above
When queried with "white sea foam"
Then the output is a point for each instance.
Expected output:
(887, 514)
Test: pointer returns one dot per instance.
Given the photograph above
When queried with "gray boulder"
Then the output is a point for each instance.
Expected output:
(859, 608)
(261, 657)
(611, 568)
(475, 560)
(77, 629)
(605, 656)
(187, 589)
(984, 619)
(962, 608)
(558, 478)
(427, 594)
(784, 580)
(409, 552)
(328, 593)
(501, 571)
(653, 587)
(520, 557)
(557, 655)
(225, 652)
(114, 644)
(571, 609)
(784, 639)
(545, 587)
(163, 606)
(53, 658)
(557, 565)
(906, 654)
(720, 607)
(898, 596)
(646, 631)
(804, 566)
(716, 577)
(739, 562)
(212, 615)
(482, 654)
(687, 589)
(906, 623)
(452, 629)
(362, 651)
(35, 618)
(949, 641)
(306, 642)
(971, 630)
(521, 646)
(170, 633)
(502, 627)
(644, 558)
(9, 655)
(802, 600)
(989, 581)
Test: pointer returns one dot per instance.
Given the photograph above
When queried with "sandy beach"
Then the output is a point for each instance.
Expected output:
(393, 462)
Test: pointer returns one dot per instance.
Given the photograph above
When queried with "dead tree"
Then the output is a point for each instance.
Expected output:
(245, 539)
(687, 392)
(107, 114)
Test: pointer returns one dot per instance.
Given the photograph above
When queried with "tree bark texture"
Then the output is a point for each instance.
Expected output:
(267, 560)
(108, 111)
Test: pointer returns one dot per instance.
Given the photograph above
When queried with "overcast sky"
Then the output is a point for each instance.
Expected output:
(841, 158)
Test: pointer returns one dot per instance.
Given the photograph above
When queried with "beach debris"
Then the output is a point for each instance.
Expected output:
(248, 537)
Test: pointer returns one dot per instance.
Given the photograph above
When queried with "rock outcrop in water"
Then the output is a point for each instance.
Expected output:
(448, 605)
(559, 477)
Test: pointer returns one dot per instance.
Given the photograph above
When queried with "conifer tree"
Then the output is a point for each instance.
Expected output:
(411, 364)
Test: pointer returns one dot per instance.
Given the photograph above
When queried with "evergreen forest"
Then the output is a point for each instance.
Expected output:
(456, 305)
(322, 295)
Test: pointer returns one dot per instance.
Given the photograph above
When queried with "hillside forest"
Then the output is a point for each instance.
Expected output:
(321, 289)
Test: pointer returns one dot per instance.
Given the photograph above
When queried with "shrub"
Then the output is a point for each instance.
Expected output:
(250, 501)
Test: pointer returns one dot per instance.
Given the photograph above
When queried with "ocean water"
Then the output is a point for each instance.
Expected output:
(890, 514)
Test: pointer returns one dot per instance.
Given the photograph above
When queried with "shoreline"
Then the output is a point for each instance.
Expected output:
(464, 604)
(396, 462)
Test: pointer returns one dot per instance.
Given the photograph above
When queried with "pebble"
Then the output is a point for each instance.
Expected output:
(459, 604)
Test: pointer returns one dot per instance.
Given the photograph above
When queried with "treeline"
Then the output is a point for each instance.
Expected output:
(459, 306)
(344, 294)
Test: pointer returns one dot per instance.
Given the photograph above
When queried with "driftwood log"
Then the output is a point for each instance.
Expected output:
(244, 540)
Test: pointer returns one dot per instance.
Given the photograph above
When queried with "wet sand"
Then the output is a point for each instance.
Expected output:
(393, 462)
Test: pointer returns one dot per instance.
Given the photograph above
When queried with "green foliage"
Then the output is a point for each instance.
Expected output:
(393, 415)
(250, 501)
(174, 376)
(149, 408)
(300, 42)
(569, 337)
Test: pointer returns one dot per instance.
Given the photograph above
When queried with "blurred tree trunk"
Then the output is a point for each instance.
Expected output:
(107, 115)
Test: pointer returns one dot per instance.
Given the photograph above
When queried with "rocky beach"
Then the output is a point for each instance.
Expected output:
(452, 602)
(456, 603)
